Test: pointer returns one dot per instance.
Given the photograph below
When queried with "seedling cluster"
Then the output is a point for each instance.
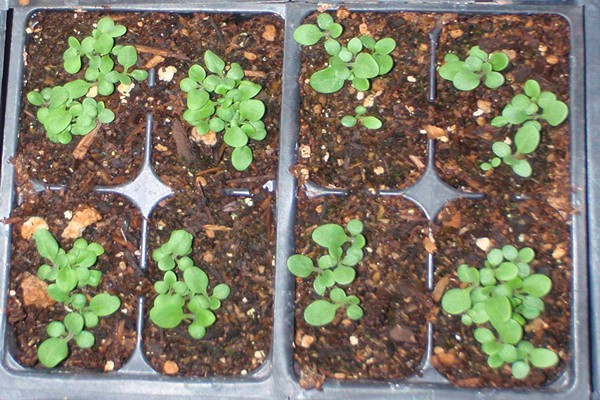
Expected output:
(499, 298)
(344, 252)
(525, 109)
(184, 287)
(361, 59)
(69, 271)
(61, 111)
(367, 121)
(478, 66)
(224, 101)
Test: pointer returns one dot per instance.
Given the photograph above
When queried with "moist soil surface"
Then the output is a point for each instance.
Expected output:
(116, 154)
(393, 156)
(538, 47)
(234, 242)
(388, 342)
(253, 41)
(528, 223)
(119, 233)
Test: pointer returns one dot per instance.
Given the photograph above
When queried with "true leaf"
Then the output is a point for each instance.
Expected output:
(537, 285)
(300, 265)
(330, 236)
(167, 315)
(307, 34)
(456, 301)
(52, 351)
(320, 312)
(326, 81)
(213, 62)
(543, 358)
(241, 158)
(104, 304)
(365, 66)
(195, 279)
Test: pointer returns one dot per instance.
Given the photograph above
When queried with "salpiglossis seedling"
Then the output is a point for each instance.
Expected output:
(224, 101)
(524, 110)
(367, 121)
(61, 112)
(69, 271)
(186, 291)
(500, 297)
(344, 252)
(478, 66)
(361, 59)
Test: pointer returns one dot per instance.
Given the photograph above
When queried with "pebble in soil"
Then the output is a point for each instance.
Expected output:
(29, 309)
(389, 341)
(538, 47)
(464, 231)
(234, 242)
(393, 156)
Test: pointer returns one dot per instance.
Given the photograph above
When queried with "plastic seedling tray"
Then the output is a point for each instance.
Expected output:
(276, 378)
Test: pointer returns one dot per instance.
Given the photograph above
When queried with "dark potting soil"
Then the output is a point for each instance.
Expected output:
(119, 233)
(538, 47)
(116, 154)
(255, 41)
(460, 227)
(234, 242)
(393, 156)
(389, 341)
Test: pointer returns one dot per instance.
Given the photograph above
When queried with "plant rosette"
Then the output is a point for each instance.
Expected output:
(500, 298)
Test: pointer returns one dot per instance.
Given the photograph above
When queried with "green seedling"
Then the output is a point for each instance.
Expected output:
(526, 106)
(367, 121)
(224, 101)
(478, 66)
(63, 116)
(344, 252)
(75, 325)
(526, 142)
(322, 312)
(503, 295)
(362, 59)
(67, 271)
(98, 49)
(310, 34)
(61, 112)
(188, 291)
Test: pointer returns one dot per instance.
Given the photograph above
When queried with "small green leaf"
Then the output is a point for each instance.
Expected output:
(167, 315)
(320, 312)
(452, 67)
(532, 88)
(213, 62)
(555, 113)
(104, 304)
(499, 61)
(335, 30)
(235, 137)
(324, 21)
(466, 80)
(526, 254)
(300, 265)
(506, 271)
(330, 236)
(495, 257)
(493, 80)
(520, 370)
(543, 358)
(35, 98)
(127, 57)
(85, 339)
(354, 312)
(495, 360)
(344, 275)
(522, 168)
(483, 335)
(308, 34)
(252, 110)
(221, 291)
(537, 285)
(385, 46)
(74, 322)
(180, 242)
(365, 66)
(467, 274)
(56, 329)
(195, 279)
(501, 149)
(456, 301)
(370, 122)
(348, 121)
(510, 331)
(45, 243)
(241, 158)
(354, 227)
(52, 351)
(326, 81)
(332, 47)
(527, 139)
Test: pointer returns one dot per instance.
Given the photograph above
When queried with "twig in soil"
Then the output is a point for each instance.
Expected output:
(217, 29)
(266, 207)
(250, 179)
(160, 52)
(184, 146)
(255, 74)
(209, 171)
(85, 143)
(220, 152)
